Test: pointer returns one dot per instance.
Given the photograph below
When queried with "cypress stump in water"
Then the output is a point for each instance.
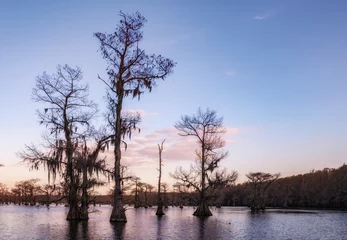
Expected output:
(74, 209)
(118, 212)
(202, 210)
(74, 213)
(160, 211)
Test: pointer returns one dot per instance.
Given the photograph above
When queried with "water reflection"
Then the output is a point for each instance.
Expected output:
(201, 228)
(73, 230)
(159, 225)
(85, 232)
(258, 224)
(20, 222)
(118, 230)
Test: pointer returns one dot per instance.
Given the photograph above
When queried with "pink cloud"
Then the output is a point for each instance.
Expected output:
(232, 130)
(143, 150)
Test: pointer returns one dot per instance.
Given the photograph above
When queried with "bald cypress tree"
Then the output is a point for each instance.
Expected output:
(131, 71)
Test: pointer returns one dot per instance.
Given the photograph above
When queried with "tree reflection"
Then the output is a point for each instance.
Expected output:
(159, 223)
(85, 232)
(73, 230)
(118, 228)
(78, 230)
(202, 228)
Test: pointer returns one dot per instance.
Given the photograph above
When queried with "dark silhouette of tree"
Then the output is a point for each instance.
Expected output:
(164, 186)
(147, 191)
(260, 183)
(218, 182)
(48, 190)
(27, 191)
(66, 115)
(207, 128)
(4, 194)
(91, 166)
(130, 72)
(160, 211)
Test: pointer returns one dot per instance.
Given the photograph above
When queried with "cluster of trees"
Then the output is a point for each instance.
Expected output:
(30, 192)
(72, 145)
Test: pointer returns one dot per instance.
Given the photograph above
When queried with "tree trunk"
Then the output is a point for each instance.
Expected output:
(202, 210)
(84, 207)
(160, 211)
(74, 210)
(118, 211)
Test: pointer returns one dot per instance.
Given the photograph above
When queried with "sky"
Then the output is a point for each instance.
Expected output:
(274, 70)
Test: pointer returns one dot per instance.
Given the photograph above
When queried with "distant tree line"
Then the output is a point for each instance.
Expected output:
(325, 189)
(318, 189)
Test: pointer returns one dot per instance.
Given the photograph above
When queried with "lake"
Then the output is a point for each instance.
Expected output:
(25, 222)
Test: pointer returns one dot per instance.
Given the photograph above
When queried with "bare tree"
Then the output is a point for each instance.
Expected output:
(130, 72)
(137, 187)
(207, 128)
(219, 181)
(160, 211)
(65, 115)
(165, 186)
(260, 183)
(147, 190)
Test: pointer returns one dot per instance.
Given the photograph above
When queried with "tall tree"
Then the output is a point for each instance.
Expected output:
(160, 211)
(67, 110)
(208, 129)
(130, 72)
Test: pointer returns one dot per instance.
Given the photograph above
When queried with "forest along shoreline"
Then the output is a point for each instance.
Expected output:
(30, 192)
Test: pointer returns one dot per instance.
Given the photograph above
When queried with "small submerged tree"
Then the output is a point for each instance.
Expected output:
(91, 166)
(160, 211)
(137, 189)
(207, 128)
(130, 72)
(260, 183)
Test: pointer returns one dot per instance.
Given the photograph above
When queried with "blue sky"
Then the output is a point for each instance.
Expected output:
(275, 70)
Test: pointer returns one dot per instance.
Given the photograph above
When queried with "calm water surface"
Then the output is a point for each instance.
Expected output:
(23, 222)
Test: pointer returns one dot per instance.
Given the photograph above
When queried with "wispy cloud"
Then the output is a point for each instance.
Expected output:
(180, 37)
(143, 149)
(265, 15)
(230, 73)
(143, 113)
(232, 130)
